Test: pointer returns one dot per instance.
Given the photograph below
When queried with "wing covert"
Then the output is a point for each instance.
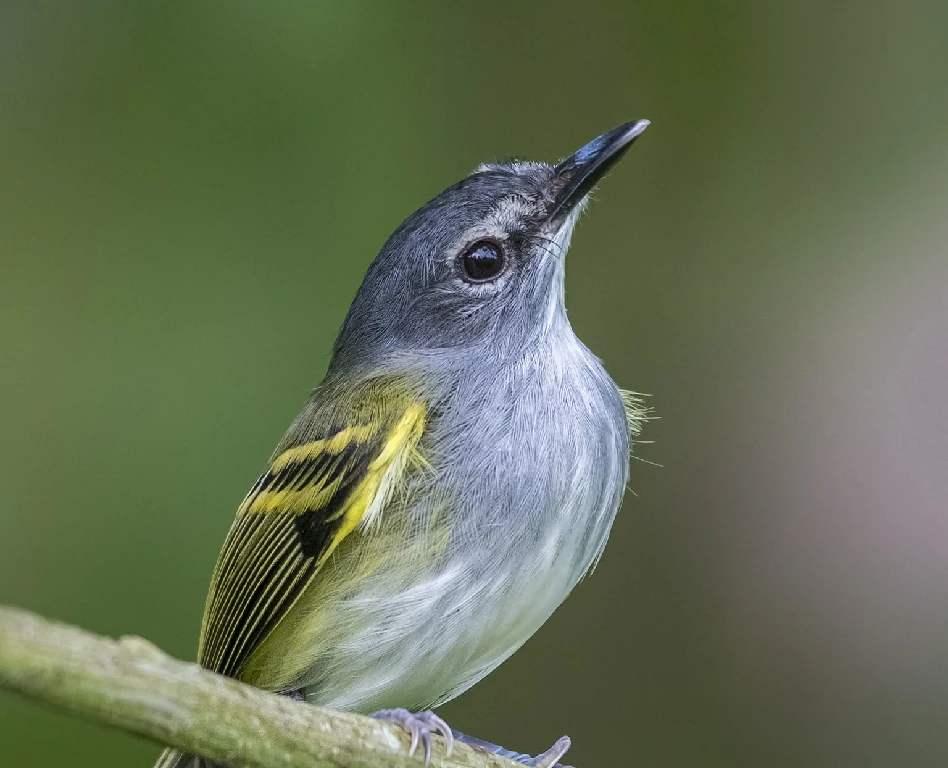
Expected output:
(311, 497)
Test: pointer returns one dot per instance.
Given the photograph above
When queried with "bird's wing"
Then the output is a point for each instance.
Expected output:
(311, 497)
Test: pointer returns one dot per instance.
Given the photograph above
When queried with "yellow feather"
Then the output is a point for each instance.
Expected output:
(334, 444)
(325, 486)
(401, 441)
(636, 411)
(288, 651)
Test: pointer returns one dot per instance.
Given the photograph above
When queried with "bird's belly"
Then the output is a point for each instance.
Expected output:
(416, 641)
(526, 520)
(424, 645)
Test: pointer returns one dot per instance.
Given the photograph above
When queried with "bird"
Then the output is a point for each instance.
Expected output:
(452, 478)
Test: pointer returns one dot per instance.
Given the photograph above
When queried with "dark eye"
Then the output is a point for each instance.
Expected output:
(482, 261)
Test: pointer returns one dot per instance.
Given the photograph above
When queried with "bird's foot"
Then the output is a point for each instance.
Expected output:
(549, 759)
(420, 727)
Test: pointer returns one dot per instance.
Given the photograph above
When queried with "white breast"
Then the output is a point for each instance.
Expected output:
(539, 477)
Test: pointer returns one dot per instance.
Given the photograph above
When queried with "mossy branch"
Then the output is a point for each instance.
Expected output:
(132, 685)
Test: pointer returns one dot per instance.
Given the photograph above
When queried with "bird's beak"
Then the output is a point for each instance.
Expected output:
(580, 172)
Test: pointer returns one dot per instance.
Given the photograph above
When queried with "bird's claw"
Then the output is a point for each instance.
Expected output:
(552, 756)
(419, 726)
(549, 759)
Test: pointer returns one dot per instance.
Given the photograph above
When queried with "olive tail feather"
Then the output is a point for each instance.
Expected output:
(172, 758)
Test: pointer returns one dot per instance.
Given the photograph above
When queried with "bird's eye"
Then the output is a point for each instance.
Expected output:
(482, 261)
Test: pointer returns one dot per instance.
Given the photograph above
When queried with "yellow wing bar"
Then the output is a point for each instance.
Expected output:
(311, 497)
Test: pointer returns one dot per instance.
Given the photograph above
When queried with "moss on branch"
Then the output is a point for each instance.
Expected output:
(132, 685)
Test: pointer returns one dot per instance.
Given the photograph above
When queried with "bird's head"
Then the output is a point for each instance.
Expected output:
(479, 269)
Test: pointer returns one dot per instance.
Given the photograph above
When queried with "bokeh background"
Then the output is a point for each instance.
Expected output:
(190, 194)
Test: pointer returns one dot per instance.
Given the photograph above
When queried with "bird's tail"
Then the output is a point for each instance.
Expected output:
(172, 758)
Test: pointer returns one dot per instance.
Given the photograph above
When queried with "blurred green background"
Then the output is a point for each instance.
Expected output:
(190, 194)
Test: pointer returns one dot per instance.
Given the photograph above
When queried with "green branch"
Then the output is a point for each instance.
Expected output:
(132, 685)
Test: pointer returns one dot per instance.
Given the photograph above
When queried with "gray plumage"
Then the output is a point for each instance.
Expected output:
(526, 443)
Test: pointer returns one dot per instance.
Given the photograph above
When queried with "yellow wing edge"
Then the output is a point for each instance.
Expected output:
(362, 503)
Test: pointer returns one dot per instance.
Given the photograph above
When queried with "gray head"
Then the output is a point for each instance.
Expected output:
(479, 269)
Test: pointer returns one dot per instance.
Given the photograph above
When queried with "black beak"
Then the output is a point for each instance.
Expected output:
(580, 172)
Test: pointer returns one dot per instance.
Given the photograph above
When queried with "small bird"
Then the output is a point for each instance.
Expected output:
(451, 479)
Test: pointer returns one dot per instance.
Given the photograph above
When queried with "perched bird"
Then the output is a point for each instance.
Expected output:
(452, 478)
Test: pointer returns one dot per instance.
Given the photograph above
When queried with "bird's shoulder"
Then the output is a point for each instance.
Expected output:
(343, 457)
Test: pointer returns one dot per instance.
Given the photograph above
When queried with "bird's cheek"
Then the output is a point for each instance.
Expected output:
(445, 321)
